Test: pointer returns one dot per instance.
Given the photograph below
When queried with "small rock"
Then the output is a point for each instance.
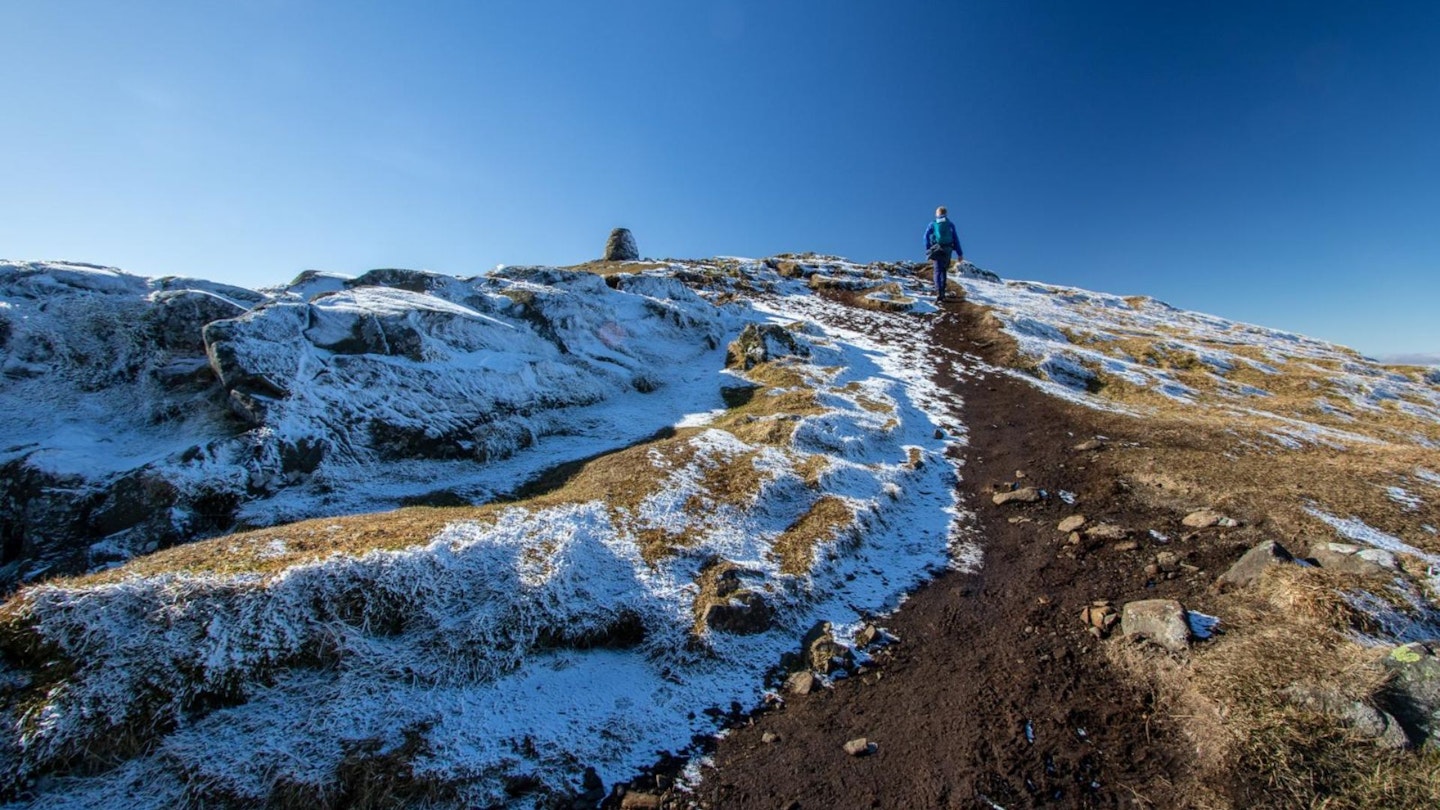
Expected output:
(1205, 518)
(1107, 531)
(1021, 495)
(1100, 617)
(1167, 561)
(769, 737)
(1074, 539)
(1090, 444)
(1248, 569)
(800, 683)
(1071, 523)
(1152, 570)
(859, 747)
(1020, 474)
(867, 636)
(1161, 621)
(1126, 545)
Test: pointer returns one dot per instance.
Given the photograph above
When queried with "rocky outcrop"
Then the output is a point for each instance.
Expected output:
(725, 605)
(1413, 693)
(216, 397)
(761, 343)
(180, 316)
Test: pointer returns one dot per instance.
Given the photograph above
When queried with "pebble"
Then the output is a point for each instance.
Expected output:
(858, 747)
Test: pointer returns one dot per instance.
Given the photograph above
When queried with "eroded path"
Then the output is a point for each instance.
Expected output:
(996, 695)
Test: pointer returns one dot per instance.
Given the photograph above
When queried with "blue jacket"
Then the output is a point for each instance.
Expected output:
(946, 226)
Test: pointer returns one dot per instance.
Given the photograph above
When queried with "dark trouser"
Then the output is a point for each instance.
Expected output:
(942, 268)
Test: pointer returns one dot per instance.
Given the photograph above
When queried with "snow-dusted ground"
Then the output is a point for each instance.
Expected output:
(1078, 341)
(480, 685)
(471, 655)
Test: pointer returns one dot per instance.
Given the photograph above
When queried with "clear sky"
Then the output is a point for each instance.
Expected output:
(1272, 162)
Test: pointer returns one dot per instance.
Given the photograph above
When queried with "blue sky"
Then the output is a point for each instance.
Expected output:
(1272, 162)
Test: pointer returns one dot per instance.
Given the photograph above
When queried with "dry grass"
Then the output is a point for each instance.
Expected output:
(827, 519)
(604, 268)
(1240, 702)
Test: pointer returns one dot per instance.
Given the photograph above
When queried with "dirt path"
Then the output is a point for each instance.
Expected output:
(996, 695)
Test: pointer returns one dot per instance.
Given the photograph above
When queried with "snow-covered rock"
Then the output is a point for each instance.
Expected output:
(220, 398)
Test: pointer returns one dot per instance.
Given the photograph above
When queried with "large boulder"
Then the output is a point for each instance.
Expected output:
(620, 247)
(1413, 692)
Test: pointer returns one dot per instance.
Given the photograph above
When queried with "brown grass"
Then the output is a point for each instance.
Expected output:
(1236, 702)
(604, 268)
(825, 520)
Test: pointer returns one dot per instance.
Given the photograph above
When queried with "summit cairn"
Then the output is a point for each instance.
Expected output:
(620, 247)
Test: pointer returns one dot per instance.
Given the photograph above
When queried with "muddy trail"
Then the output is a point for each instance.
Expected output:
(996, 694)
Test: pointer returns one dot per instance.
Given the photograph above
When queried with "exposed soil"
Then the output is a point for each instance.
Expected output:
(996, 693)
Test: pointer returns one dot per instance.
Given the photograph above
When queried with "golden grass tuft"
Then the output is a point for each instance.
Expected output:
(826, 519)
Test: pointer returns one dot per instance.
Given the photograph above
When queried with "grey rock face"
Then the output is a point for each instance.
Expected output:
(180, 317)
(1248, 569)
(1161, 621)
(1413, 693)
(620, 247)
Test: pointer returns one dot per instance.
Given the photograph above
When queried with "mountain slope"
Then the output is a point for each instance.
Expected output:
(812, 469)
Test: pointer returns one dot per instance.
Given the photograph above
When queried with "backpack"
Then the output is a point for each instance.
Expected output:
(942, 245)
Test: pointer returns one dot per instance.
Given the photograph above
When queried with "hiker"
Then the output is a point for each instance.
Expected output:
(940, 239)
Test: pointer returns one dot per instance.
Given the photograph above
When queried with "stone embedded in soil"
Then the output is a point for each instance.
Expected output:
(1205, 518)
(1090, 444)
(1021, 495)
(1167, 561)
(1071, 523)
(1249, 568)
(1160, 621)
(858, 747)
(1107, 531)
(769, 738)
(1126, 545)
(1363, 718)
(1349, 559)
(800, 683)
(1101, 617)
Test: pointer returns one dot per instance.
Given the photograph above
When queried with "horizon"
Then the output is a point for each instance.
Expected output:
(1273, 166)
